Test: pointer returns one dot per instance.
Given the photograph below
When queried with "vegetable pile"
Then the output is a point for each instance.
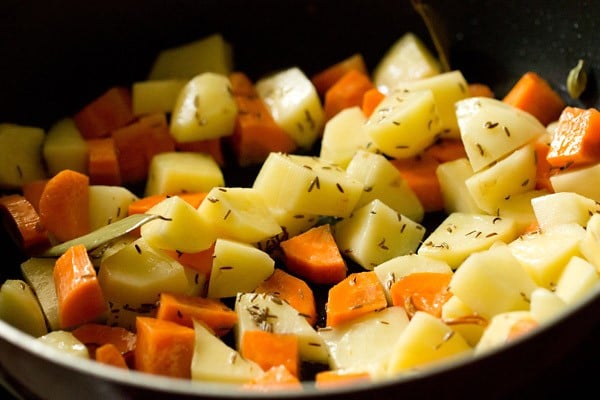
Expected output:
(326, 268)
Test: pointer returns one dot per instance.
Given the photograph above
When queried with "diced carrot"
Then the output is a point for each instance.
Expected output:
(315, 256)
(103, 162)
(326, 78)
(357, 295)
(275, 378)
(294, 291)
(111, 110)
(32, 191)
(94, 335)
(183, 309)
(142, 205)
(164, 347)
(422, 291)
(521, 327)
(533, 94)
(347, 92)
(138, 142)
(576, 140)
(370, 101)
(543, 168)
(200, 261)
(110, 355)
(64, 205)
(420, 174)
(270, 349)
(444, 150)
(255, 134)
(79, 294)
(24, 221)
(337, 378)
(481, 90)
(212, 147)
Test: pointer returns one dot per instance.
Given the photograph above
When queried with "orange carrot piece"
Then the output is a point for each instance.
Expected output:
(212, 147)
(315, 256)
(533, 94)
(164, 347)
(336, 378)
(138, 142)
(420, 174)
(294, 291)
(576, 140)
(32, 191)
(444, 150)
(143, 204)
(326, 78)
(183, 309)
(79, 294)
(357, 295)
(110, 355)
(255, 134)
(275, 378)
(103, 162)
(94, 335)
(200, 261)
(64, 205)
(521, 327)
(347, 92)
(422, 291)
(370, 101)
(270, 349)
(544, 169)
(480, 90)
(111, 110)
(24, 221)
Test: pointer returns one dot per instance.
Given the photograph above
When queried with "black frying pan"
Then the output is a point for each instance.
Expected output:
(55, 57)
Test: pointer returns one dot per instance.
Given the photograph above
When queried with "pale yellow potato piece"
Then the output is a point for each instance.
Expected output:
(65, 148)
(563, 208)
(463, 320)
(496, 334)
(66, 343)
(156, 96)
(577, 280)
(38, 273)
(452, 176)
(20, 155)
(108, 204)
(578, 181)
(19, 307)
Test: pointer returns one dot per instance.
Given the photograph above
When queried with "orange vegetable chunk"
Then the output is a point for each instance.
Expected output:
(24, 221)
(347, 92)
(33, 190)
(480, 90)
(444, 150)
(544, 169)
(576, 140)
(64, 205)
(138, 142)
(326, 78)
(420, 174)
(422, 291)
(95, 335)
(270, 349)
(357, 295)
(275, 378)
(79, 294)
(255, 133)
(110, 355)
(370, 101)
(315, 256)
(183, 309)
(521, 327)
(336, 378)
(111, 110)
(533, 94)
(164, 347)
(293, 290)
(103, 162)
(212, 147)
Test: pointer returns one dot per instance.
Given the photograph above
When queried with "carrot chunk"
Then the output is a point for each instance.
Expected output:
(533, 94)
(270, 349)
(420, 174)
(314, 255)
(293, 290)
(275, 378)
(480, 90)
(212, 147)
(24, 221)
(164, 347)
(576, 140)
(347, 92)
(255, 134)
(544, 169)
(370, 101)
(32, 191)
(336, 378)
(64, 205)
(357, 295)
(110, 355)
(422, 291)
(80, 297)
(183, 309)
(95, 335)
(444, 150)
(326, 78)
(103, 162)
(111, 110)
